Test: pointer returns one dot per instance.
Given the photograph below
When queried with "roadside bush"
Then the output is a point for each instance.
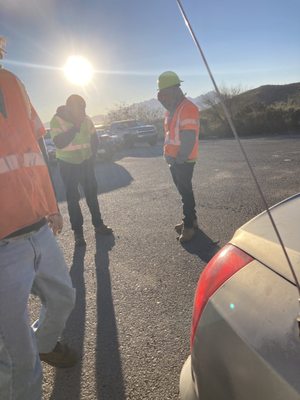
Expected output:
(256, 119)
(273, 119)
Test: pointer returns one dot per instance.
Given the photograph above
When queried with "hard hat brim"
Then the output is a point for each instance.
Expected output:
(158, 89)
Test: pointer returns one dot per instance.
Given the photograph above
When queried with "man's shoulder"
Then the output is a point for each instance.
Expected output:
(191, 104)
(190, 107)
(6, 72)
(89, 120)
(59, 123)
(8, 78)
(54, 120)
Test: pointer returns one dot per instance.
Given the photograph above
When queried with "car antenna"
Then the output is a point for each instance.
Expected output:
(231, 124)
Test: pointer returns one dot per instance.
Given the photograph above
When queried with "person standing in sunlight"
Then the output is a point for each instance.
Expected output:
(181, 146)
(74, 135)
(31, 261)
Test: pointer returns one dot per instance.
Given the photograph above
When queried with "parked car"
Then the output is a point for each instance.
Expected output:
(107, 143)
(245, 342)
(122, 130)
(50, 147)
(132, 131)
(144, 133)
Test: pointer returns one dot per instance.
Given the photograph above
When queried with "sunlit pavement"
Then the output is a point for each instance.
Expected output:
(135, 290)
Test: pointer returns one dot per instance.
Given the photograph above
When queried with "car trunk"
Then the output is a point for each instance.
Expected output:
(258, 238)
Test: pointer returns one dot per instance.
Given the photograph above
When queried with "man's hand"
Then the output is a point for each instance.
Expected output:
(55, 222)
(170, 160)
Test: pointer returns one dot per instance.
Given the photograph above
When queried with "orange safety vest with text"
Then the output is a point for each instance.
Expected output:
(186, 117)
(26, 193)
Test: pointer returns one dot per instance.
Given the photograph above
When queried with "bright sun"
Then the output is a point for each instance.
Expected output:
(78, 70)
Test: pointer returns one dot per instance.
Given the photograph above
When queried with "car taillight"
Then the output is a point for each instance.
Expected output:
(221, 267)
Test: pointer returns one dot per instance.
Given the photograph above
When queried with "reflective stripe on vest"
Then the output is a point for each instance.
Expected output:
(74, 147)
(175, 124)
(193, 123)
(176, 140)
(14, 162)
(65, 126)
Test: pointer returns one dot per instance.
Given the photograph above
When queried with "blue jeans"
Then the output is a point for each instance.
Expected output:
(33, 264)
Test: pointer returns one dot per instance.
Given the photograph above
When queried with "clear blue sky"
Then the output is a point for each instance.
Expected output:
(248, 43)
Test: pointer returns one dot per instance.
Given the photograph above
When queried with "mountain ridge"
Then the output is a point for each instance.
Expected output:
(265, 94)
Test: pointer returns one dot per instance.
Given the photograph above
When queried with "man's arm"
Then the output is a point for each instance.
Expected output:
(188, 140)
(94, 145)
(64, 138)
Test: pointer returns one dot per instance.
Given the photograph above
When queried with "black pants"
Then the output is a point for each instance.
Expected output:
(182, 176)
(83, 174)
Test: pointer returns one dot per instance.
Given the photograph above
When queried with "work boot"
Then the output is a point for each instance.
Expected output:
(79, 239)
(179, 227)
(187, 234)
(62, 356)
(103, 229)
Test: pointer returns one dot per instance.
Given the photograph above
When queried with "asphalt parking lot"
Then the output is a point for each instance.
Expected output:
(135, 290)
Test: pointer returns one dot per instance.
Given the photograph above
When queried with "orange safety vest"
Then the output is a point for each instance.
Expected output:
(186, 117)
(26, 193)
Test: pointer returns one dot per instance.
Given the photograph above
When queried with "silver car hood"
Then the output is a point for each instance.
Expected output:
(257, 237)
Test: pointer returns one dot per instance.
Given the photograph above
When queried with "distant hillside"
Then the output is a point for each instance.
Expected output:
(254, 108)
(268, 109)
(270, 94)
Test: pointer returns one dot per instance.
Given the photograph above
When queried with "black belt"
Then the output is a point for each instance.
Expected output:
(30, 228)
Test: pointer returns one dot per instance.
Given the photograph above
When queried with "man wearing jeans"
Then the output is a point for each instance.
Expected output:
(181, 146)
(74, 135)
(30, 259)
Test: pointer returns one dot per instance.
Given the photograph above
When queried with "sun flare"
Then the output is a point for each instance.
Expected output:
(78, 70)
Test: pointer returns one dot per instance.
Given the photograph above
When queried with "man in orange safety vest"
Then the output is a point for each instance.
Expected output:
(181, 128)
(30, 259)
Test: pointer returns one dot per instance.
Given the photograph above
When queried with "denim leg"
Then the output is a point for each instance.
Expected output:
(89, 184)
(70, 174)
(182, 175)
(20, 367)
(53, 285)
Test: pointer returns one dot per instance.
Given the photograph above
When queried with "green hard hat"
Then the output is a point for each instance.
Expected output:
(168, 79)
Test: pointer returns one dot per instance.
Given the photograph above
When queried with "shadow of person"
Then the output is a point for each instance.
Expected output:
(110, 176)
(202, 246)
(141, 150)
(108, 373)
(67, 382)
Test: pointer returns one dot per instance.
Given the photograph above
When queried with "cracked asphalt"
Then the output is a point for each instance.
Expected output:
(135, 289)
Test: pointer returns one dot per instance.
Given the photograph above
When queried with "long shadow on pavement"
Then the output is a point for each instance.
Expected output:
(67, 382)
(140, 151)
(109, 377)
(110, 176)
(202, 246)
